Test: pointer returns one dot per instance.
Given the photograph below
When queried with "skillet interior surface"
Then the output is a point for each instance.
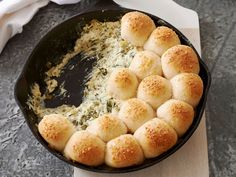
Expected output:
(58, 42)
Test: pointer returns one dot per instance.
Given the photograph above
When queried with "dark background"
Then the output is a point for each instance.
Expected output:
(22, 155)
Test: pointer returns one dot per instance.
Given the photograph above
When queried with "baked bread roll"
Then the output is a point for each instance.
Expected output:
(122, 84)
(177, 114)
(146, 63)
(155, 90)
(107, 127)
(123, 151)
(56, 130)
(179, 59)
(136, 27)
(187, 87)
(85, 148)
(161, 39)
(155, 137)
(135, 112)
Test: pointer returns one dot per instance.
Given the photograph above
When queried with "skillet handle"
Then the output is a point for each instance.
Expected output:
(104, 5)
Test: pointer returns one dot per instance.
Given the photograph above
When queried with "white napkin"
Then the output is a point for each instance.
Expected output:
(14, 14)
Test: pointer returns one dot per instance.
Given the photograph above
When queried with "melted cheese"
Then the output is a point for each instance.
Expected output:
(100, 39)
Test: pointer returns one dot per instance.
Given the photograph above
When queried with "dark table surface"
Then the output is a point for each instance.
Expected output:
(22, 155)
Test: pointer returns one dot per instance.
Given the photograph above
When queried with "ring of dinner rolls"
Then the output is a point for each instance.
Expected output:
(146, 63)
(173, 97)
(155, 137)
(123, 151)
(187, 87)
(155, 90)
(161, 39)
(177, 114)
(107, 127)
(135, 112)
(122, 84)
(179, 59)
(56, 130)
(136, 27)
(86, 148)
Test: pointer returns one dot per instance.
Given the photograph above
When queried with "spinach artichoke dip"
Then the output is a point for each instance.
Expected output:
(99, 39)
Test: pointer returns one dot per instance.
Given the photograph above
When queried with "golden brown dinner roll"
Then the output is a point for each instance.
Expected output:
(135, 112)
(155, 137)
(136, 27)
(56, 130)
(146, 63)
(122, 84)
(178, 114)
(161, 39)
(179, 59)
(107, 127)
(86, 148)
(155, 90)
(123, 151)
(187, 87)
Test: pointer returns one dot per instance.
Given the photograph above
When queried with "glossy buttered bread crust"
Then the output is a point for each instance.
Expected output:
(178, 114)
(122, 84)
(155, 137)
(123, 151)
(136, 27)
(86, 148)
(187, 87)
(155, 90)
(179, 59)
(56, 130)
(135, 112)
(107, 127)
(161, 39)
(146, 63)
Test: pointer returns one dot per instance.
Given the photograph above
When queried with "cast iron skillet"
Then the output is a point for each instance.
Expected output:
(58, 42)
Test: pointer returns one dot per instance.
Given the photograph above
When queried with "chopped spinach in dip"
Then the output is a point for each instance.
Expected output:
(99, 39)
